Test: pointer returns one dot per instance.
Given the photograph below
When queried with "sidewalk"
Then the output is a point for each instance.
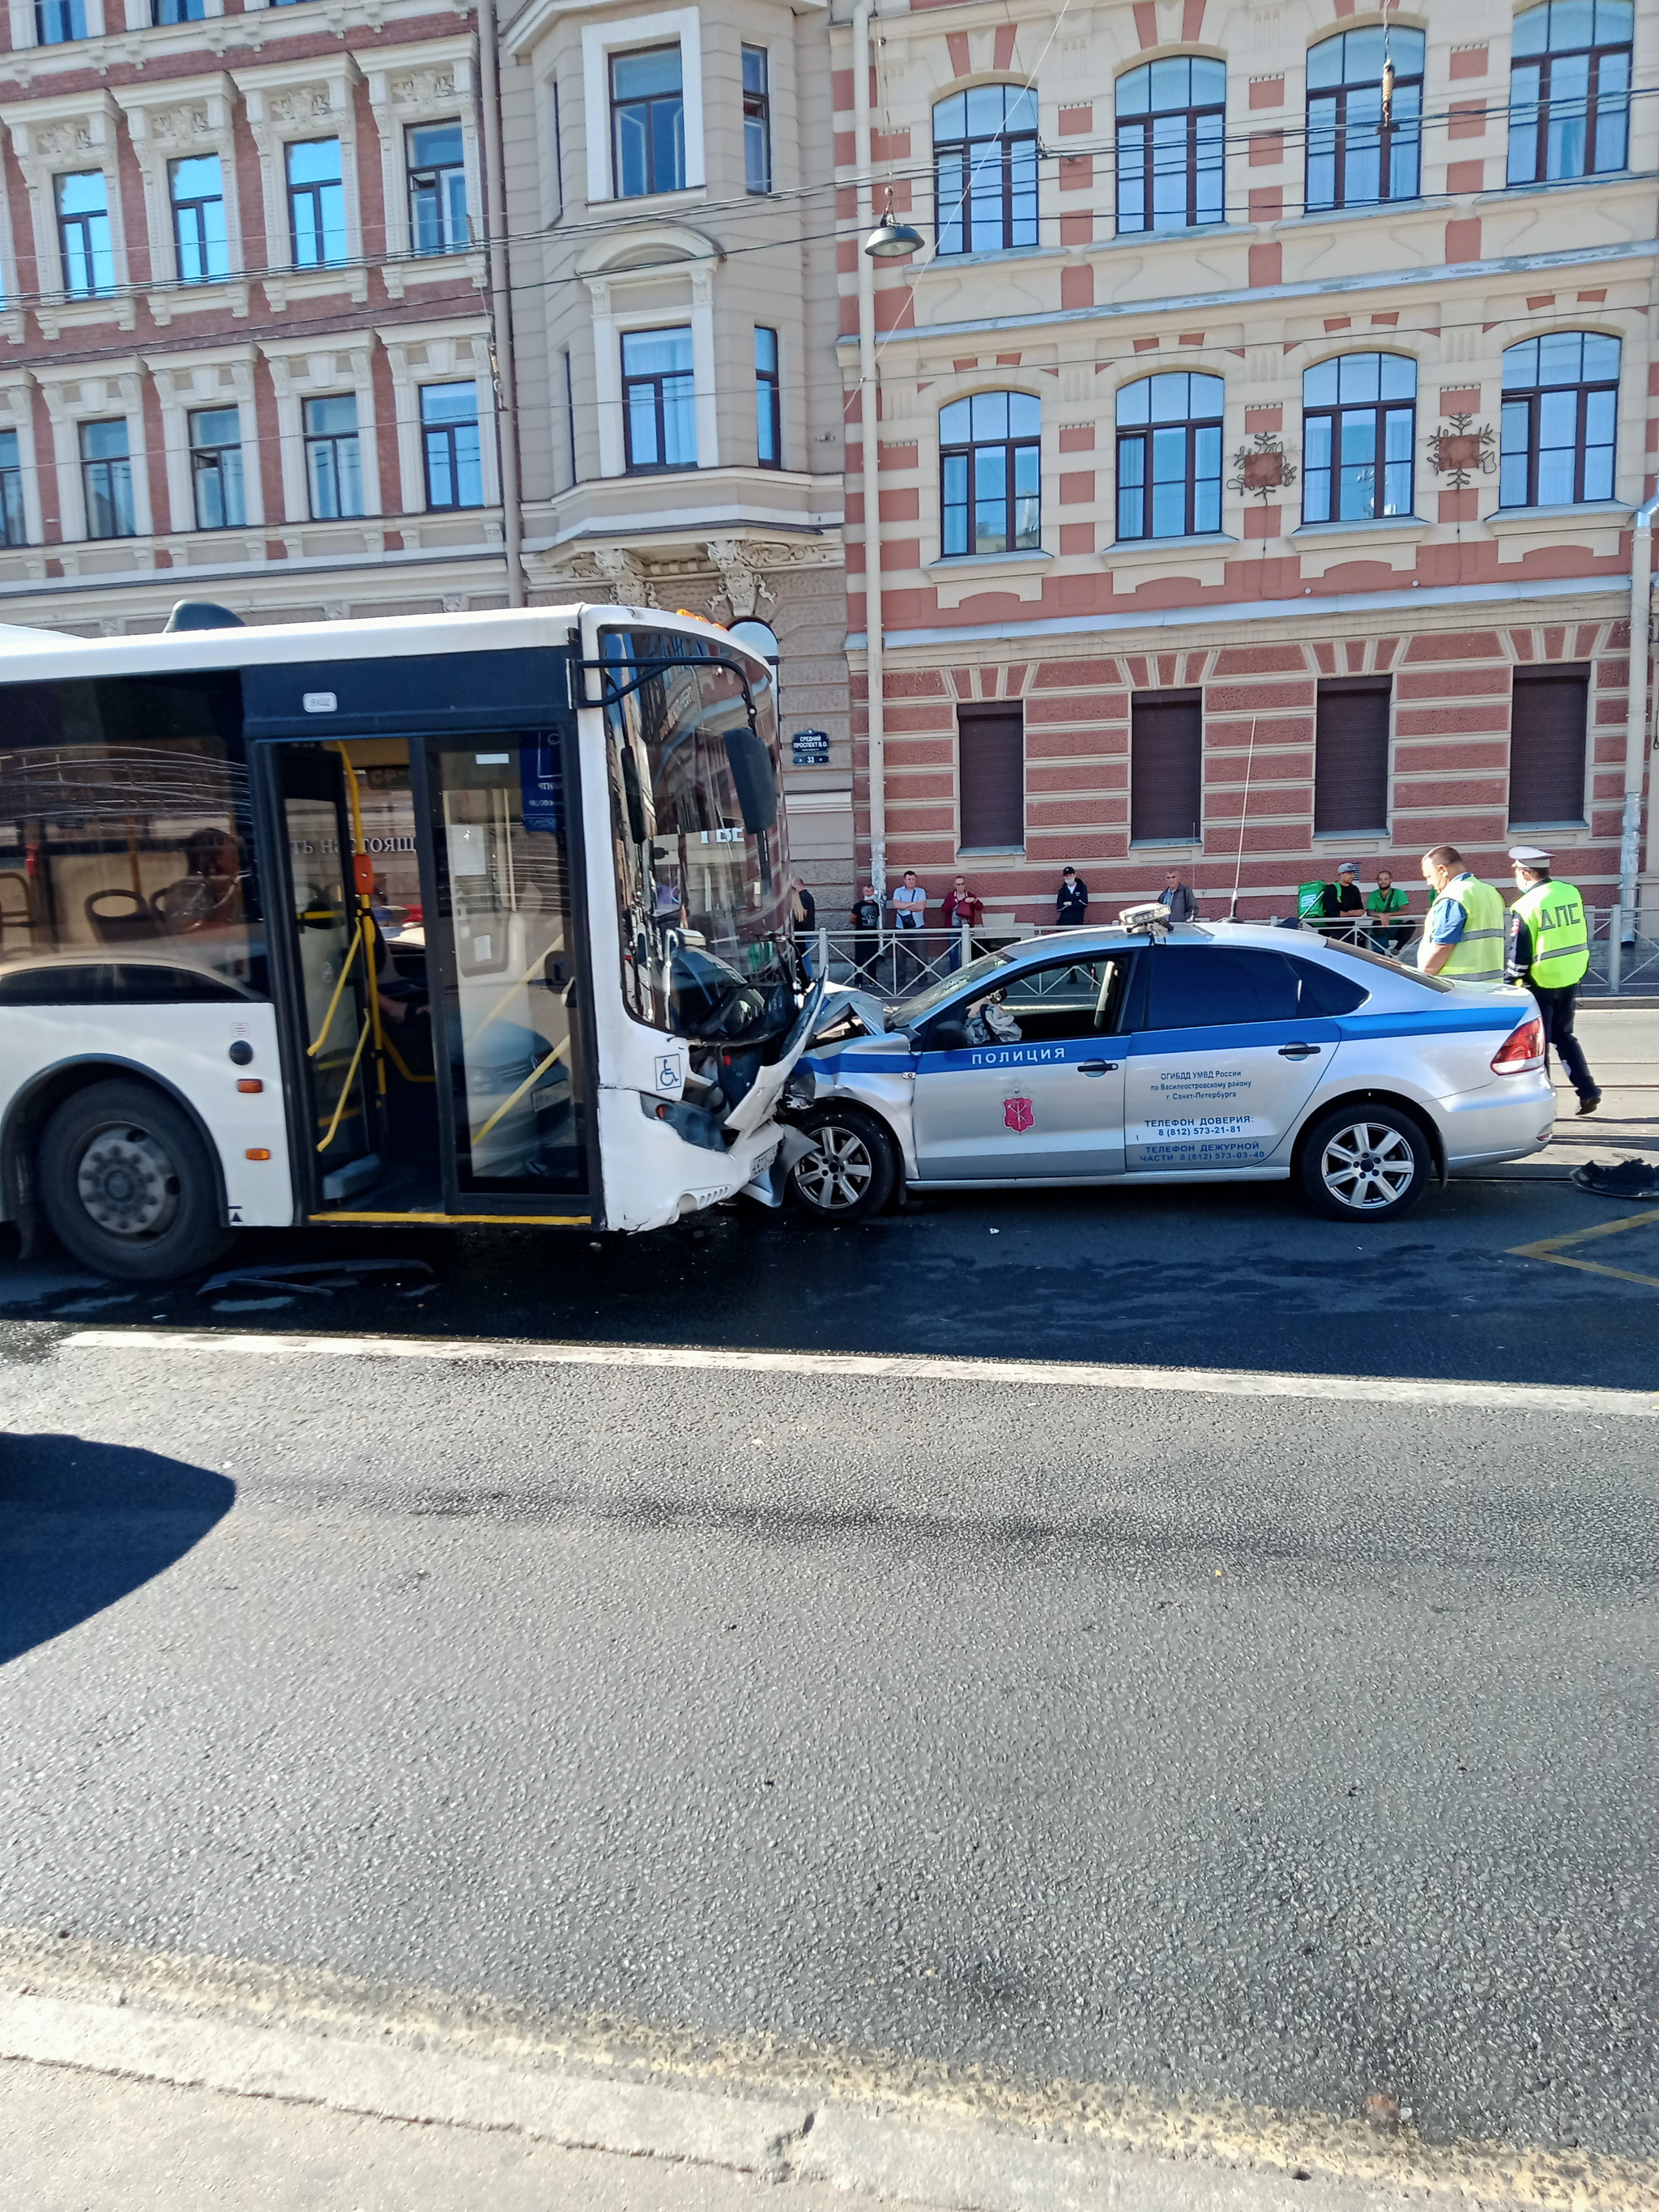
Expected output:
(1621, 1044)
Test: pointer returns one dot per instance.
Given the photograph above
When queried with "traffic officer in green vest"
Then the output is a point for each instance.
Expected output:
(1549, 952)
(1463, 936)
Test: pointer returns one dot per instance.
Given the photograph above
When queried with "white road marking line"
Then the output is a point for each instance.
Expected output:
(1212, 1381)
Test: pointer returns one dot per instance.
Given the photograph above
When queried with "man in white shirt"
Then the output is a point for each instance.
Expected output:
(909, 902)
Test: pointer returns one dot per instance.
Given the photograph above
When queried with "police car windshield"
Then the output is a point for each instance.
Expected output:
(1395, 966)
(903, 1011)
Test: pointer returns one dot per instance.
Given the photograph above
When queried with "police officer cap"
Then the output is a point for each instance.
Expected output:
(1529, 855)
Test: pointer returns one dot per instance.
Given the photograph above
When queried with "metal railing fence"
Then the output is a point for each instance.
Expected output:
(895, 964)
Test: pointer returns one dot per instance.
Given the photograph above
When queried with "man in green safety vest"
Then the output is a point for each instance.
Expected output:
(1549, 952)
(1463, 936)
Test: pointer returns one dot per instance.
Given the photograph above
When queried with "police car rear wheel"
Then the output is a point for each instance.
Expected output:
(851, 1171)
(1365, 1163)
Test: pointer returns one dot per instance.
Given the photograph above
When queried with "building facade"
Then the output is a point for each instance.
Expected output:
(670, 199)
(246, 351)
(1261, 428)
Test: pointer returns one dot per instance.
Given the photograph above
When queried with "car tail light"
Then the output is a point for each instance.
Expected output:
(1522, 1050)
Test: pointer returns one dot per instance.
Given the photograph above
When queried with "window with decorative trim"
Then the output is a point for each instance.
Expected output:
(106, 480)
(450, 442)
(435, 160)
(647, 122)
(216, 468)
(1359, 429)
(13, 518)
(1357, 155)
(659, 420)
(1560, 420)
(316, 202)
(195, 191)
(985, 169)
(991, 474)
(58, 22)
(1169, 456)
(1171, 144)
(334, 466)
(756, 119)
(1569, 75)
(84, 243)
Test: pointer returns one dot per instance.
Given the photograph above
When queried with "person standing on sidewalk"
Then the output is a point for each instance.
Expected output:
(963, 909)
(1183, 905)
(866, 943)
(1463, 937)
(1549, 952)
(1389, 897)
(804, 912)
(1071, 900)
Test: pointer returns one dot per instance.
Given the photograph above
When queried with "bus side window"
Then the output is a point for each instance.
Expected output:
(126, 824)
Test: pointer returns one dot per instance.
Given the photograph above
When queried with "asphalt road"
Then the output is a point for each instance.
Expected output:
(1284, 1750)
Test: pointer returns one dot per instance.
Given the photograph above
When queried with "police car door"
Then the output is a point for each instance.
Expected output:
(1049, 1106)
(1223, 1060)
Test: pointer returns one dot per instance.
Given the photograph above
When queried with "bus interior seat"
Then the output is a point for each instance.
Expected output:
(120, 917)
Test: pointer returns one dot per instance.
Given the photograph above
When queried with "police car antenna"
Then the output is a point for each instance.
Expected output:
(1243, 820)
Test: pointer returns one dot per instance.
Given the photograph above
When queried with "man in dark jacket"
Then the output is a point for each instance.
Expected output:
(1183, 905)
(1071, 901)
(866, 921)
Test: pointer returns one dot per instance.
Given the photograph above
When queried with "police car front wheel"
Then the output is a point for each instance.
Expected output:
(851, 1171)
(1365, 1163)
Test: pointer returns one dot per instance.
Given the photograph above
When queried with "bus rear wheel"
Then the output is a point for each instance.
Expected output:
(851, 1171)
(126, 1183)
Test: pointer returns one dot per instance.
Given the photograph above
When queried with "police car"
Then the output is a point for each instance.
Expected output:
(1208, 1052)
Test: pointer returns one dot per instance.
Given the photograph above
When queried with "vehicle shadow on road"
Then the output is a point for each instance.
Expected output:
(83, 1524)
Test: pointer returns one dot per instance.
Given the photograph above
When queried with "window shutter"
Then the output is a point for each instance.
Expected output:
(1549, 722)
(1350, 758)
(991, 775)
(1166, 767)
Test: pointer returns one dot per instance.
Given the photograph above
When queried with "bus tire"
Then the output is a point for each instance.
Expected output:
(852, 1170)
(1365, 1163)
(127, 1185)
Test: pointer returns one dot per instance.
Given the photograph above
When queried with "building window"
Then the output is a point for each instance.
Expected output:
(985, 169)
(316, 203)
(437, 189)
(1169, 456)
(177, 11)
(83, 236)
(1560, 420)
(991, 474)
(647, 122)
(197, 189)
(1166, 768)
(659, 420)
(11, 490)
(1358, 414)
(216, 468)
(106, 480)
(757, 120)
(57, 22)
(1355, 158)
(1570, 90)
(1171, 149)
(1351, 757)
(334, 467)
(1549, 728)
(449, 435)
(768, 401)
(990, 778)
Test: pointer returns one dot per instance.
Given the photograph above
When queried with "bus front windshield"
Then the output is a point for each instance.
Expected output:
(702, 861)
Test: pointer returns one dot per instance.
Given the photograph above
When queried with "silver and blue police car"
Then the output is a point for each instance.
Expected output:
(1208, 1052)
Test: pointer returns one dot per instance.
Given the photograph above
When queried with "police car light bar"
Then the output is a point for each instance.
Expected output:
(1150, 921)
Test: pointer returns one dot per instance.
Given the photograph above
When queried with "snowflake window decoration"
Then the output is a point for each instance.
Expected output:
(1460, 452)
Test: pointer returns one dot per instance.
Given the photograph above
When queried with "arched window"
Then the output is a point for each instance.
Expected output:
(985, 169)
(1171, 154)
(1359, 429)
(990, 456)
(1355, 158)
(1560, 420)
(1169, 456)
(1570, 90)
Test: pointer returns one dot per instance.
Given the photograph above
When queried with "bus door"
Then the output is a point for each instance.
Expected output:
(507, 979)
(328, 970)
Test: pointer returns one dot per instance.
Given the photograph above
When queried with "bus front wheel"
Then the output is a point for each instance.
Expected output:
(127, 1186)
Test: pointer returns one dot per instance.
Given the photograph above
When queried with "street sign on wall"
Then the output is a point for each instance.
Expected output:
(810, 749)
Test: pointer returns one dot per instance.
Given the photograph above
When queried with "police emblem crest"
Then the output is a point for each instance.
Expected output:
(1016, 1113)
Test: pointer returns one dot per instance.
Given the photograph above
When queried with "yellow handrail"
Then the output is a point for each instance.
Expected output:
(321, 1037)
(345, 1088)
(508, 1104)
(507, 991)
(366, 921)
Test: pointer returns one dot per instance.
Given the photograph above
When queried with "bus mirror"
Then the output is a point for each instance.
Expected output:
(638, 829)
(753, 772)
(362, 875)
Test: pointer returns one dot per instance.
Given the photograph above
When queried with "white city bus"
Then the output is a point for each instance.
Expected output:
(469, 918)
